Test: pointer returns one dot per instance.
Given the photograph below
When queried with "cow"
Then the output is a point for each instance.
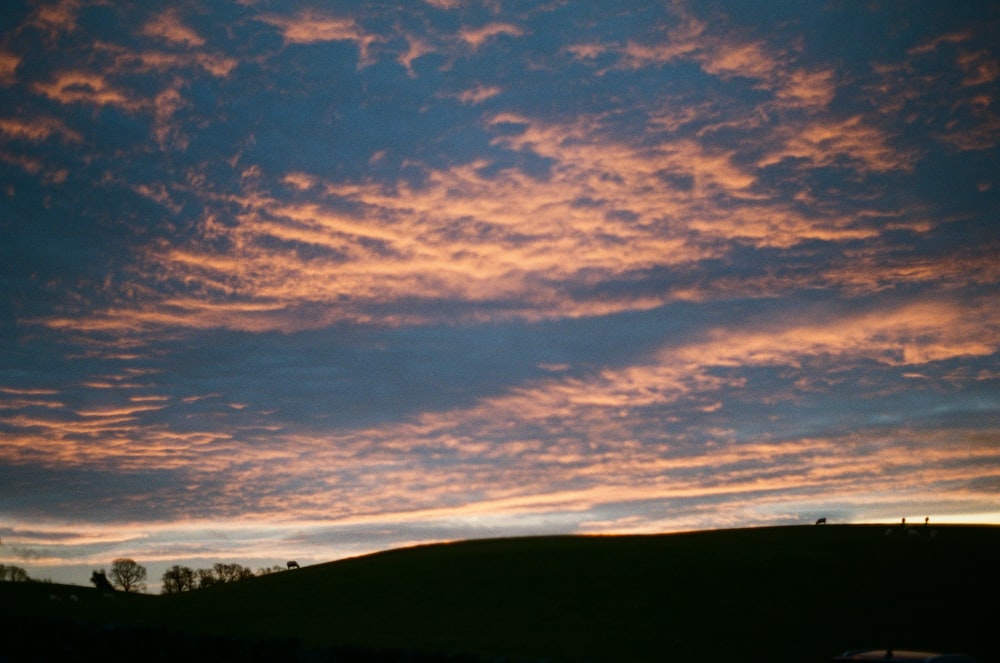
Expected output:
(821, 521)
(292, 565)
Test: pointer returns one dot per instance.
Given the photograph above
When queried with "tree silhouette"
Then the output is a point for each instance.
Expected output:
(128, 576)
(264, 570)
(100, 580)
(206, 578)
(13, 573)
(178, 579)
(232, 572)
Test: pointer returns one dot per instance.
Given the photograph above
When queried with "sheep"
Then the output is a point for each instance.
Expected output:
(293, 565)
(821, 521)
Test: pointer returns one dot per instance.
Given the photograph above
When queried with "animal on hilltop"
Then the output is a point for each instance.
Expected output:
(821, 521)
(293, 565)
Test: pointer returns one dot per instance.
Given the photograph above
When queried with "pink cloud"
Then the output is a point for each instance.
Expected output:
(168, 26)
(825, 142)
(416, 48)
(476, 37)
(310, 26)
(55, 18)
(37, 129)
(8, 67)
(83, 87)
(478, 94)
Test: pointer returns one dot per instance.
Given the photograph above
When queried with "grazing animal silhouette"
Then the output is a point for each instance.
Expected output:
(821, 521)
(293, 565)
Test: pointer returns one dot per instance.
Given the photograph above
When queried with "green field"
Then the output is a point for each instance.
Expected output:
(764, 594)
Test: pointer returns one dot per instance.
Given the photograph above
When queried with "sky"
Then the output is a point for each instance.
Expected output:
(305, 280)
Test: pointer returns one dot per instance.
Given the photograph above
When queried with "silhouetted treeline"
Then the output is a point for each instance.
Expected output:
(178, 578)
(125, 575)
(11, 573)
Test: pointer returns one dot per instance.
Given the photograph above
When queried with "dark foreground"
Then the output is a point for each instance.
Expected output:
(798, 594)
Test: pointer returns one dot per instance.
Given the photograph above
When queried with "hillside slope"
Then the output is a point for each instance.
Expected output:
(769, 594)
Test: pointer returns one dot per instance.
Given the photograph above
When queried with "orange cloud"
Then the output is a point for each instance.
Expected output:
(794, 87)
(37, 129)
(871, 270)
(82, 87)
(749, 60)
(725, 56)
(8, 67)
(167, 25)
(980, 68)
(55, 18)
(310, 26)
(923, 94)
(215, 64)
(683, 38)
(587, 51)
(604, 210)
(478, 94)
(36, 167)
(828, 142)
(908, 335)
(933, 44)
(416, 48)
(810, 89)
(476, 37)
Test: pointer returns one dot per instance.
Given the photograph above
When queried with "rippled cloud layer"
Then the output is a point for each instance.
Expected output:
(323, 278)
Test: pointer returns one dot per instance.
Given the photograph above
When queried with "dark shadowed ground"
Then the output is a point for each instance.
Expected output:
(770, 594)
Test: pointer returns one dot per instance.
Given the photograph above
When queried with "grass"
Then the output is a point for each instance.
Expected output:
(769, 594)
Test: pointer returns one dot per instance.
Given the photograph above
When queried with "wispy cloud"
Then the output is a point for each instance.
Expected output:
(311, 26)
(476, 37)
(83, 87)
(168, 26)
(55, 18)
(37, 129)
(8, 67)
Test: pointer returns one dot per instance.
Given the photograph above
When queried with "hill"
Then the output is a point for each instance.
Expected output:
(768, 594)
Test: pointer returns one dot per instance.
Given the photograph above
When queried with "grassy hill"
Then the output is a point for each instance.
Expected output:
(769, 594)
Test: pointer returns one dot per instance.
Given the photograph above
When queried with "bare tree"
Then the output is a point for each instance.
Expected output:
(128, 576)
(178, 579)
(232, 572)
(264, 570)
(13, 573)
(206, 578)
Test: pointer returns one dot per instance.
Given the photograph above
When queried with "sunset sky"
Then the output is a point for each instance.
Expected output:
(304, 280)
